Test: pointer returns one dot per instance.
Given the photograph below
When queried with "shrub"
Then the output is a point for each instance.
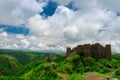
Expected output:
(105, 70)
(117, 72)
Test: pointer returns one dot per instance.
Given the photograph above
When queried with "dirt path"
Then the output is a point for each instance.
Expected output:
(96, 76)
(64, 76)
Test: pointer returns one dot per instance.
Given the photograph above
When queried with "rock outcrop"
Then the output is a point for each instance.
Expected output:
(96, 51)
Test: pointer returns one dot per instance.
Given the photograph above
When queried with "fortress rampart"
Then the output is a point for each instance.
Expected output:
(96, 51)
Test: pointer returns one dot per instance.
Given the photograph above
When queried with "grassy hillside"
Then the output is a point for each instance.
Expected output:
(9, 65)
(69, 68)
(116, 56)
(28, 65)
(24, 57)
(13, 62)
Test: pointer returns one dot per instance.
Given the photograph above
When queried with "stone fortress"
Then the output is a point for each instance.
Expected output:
(96, 51)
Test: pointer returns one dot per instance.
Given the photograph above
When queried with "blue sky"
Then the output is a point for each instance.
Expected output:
(53, 25)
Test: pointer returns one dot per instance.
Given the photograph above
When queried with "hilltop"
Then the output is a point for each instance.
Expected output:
(27, 65)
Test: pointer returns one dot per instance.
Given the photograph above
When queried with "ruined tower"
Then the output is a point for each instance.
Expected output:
(108, 52)
(68, 51)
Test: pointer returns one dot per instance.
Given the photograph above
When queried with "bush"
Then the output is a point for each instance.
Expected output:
(105, 70)
(115, 64)
(76, 61)
(117, 72)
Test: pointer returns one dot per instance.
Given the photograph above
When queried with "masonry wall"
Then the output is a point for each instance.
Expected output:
(96, 51)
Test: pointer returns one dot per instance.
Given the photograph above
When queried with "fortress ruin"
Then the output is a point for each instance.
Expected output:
(96, 51)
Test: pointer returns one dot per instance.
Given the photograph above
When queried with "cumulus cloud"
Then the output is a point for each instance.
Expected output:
(72, 28)
(16, 12)
(94, 21)
(90, 4)
(110, 4)
(79, 4)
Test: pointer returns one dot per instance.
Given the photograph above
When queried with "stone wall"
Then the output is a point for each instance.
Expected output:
(96, 51)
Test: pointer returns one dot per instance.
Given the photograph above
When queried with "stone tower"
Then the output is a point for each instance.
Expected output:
(68, 51)
(108, 54)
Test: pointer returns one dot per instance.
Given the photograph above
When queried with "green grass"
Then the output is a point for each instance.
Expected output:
(77, 77)
(116, 56)
(31, 65)
(8, 65)
(115, 76)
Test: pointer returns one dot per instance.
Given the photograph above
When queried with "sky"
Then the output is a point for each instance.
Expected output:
(53, 25)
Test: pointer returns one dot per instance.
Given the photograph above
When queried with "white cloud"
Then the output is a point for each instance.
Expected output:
(80, 4)
(16, 12)
(90, 4)
(68, 28)
(110, 4)
(62, 2)
(91, 23)
(4, 34)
